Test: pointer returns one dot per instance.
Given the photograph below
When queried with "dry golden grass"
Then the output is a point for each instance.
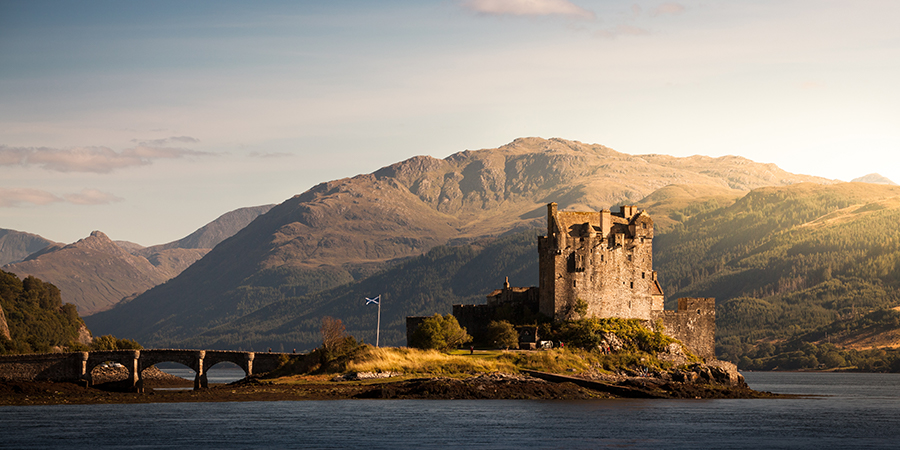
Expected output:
(414, 361)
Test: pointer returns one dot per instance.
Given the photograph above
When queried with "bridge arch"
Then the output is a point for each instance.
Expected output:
(127, 358)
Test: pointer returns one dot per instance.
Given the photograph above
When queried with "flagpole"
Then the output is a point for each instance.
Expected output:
(378, 326)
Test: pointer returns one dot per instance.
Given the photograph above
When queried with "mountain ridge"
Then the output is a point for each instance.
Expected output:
(343, 230)
(96, 273)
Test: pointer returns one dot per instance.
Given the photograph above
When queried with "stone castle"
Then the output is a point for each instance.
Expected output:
(599, 264)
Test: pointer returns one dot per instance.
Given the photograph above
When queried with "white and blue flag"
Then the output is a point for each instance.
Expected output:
(376, 300)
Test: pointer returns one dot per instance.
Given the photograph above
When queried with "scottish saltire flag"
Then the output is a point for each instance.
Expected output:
(376, 300)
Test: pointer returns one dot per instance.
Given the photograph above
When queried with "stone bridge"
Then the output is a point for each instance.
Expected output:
(77, 366)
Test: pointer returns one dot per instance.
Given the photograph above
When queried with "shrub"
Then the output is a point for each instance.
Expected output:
(502, 334)
(110, 342)
(441, 333)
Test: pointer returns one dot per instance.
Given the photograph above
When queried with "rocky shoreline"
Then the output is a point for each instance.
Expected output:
(532, 385)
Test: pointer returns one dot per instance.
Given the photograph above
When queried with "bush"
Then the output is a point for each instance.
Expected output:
(110, 342)
(588, 334)
(441, 333)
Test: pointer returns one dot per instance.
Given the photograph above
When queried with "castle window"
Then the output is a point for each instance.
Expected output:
(629, 257)
(574, 283)
(632, 284)
(644, 224)
(643, 274)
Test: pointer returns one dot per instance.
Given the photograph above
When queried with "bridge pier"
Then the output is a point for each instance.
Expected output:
(249, 369)
(200, 379)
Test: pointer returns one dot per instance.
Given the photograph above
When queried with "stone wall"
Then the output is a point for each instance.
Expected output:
(694, 324)
(43, 367)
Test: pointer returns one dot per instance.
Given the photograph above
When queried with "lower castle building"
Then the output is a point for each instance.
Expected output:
(599, 264)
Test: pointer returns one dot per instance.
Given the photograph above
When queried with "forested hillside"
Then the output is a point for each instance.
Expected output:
(784, 262)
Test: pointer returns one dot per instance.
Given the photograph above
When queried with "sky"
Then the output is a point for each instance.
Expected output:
(147, 120)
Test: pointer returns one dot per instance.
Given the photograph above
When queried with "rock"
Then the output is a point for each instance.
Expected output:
(726, 373)
(357, 376)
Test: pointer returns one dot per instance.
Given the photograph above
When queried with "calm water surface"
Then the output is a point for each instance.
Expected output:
(843, 411)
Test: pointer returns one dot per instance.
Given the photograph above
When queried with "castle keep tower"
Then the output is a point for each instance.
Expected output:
(599, 260)
(596, 264)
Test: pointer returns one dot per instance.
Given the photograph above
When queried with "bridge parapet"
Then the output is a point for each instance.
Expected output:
(77, 366)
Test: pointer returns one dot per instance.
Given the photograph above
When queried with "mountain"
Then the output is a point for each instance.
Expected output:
(96, 273)
(874, 178)
(345, 230)
(93, 273)
(209, 235)
(16, 245)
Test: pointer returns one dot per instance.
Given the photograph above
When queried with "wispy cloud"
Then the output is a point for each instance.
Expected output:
(270, 155)
(17, 197)
(23, 196)
(528, 8)
(91, 159)
(667, 9)
(92, 197)
(174, 140)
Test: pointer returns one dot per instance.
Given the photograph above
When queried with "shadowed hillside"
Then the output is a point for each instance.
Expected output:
(16, 245)
(96, 273)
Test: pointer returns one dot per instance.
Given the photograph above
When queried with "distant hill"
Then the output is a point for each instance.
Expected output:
(345, 230)
(93, 273)
(96, 273)
(874, 178)
(16, 245)
(209, 235)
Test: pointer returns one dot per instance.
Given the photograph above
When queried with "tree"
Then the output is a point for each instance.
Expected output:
(110, 342)
(502, 334)
(438, 332)
(333, 332)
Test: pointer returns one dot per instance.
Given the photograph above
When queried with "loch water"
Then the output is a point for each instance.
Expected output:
(839, 410)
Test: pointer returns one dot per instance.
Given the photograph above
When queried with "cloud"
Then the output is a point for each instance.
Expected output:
(92, 197)
(16, 197)
(271, 155)
(667, 9)
(21, 196)
(89, 159)
(528, 8)
(167, 141)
